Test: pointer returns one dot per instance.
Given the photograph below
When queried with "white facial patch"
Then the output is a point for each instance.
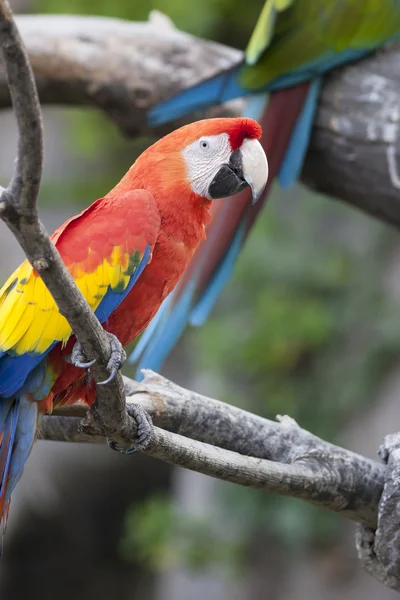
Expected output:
(204, 158)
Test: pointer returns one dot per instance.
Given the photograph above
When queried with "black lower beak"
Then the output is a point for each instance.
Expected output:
(229, 180)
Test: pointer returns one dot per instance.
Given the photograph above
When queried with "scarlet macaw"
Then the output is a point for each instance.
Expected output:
(294, 43)
(126, 252)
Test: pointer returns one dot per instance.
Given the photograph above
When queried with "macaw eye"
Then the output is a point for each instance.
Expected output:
(204, 145)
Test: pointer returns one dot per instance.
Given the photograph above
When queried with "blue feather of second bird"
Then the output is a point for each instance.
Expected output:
(170, 322)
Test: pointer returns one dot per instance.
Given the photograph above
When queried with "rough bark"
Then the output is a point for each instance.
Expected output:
(218, 439)
(355, 148)
(123, 68)
(120, 67)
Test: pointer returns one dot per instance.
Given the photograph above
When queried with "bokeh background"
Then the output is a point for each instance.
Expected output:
(308, 326)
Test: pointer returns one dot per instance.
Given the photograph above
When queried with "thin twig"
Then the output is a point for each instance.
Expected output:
(18, 209)
(25, 182)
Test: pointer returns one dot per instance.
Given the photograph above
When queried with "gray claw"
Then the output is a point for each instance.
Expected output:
(144, 425)
(78, 358)
(117, 358)
(84, 365)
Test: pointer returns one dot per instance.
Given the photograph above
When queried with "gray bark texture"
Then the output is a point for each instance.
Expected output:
(223, 441)
(123, 68)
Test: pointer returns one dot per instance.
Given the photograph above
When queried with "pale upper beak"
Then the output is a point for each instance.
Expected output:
(255, 167)
(247, 166)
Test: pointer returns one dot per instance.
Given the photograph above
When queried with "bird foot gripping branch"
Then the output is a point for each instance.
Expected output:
(115, 363)
(379, 550)
(145, 429)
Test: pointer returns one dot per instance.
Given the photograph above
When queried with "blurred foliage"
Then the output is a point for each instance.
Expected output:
(160, 536)
(317, 331)
(304, 328)
(226, 21)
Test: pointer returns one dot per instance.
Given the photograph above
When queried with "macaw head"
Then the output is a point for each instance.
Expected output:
(210, 159)
(223, 156)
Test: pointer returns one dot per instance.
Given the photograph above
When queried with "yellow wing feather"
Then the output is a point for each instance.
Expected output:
(29, 317)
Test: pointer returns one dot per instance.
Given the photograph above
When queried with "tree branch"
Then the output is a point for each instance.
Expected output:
(119, 66)
(123, 68)
(18, 209)
(217, 439)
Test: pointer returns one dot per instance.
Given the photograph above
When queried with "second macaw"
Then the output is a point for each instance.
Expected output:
(126, 253)
(295, 42)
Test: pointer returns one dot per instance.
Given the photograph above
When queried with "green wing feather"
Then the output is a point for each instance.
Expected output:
(264, 29)
(291, 34)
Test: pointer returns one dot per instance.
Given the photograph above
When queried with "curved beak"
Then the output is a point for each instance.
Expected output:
(247, 166)
(255, 167)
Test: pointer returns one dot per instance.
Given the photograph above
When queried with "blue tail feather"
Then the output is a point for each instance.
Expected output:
(171, 320)
(8, 427)
(25, 432)
(295, 154)
(169, 330)
(204, 306)
(157, 322)
(255, 105)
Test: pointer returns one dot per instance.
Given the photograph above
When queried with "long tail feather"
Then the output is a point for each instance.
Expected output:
(24, 438)
(295, 154)
(18, 417)
(10, 410)
(232, 219)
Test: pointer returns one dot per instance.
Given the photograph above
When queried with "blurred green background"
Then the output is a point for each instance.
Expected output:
(307, 327)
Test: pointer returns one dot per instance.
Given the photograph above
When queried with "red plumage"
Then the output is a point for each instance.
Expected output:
(184, 215)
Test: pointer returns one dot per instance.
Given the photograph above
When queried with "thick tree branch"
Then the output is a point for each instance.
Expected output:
(123, 68)
(18, 209)
(119, 66)
(217, 439)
